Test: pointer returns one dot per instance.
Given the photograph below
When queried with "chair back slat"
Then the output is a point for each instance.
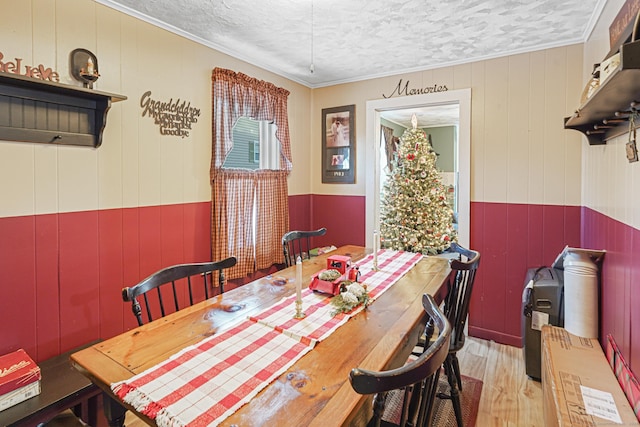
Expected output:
(206, 286)
(180, 277)
(176, 305)
(136, 308)
(417, 379)
(190, 290)
(298, 243)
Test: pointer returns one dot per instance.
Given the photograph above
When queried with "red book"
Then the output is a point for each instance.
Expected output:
(17, 370)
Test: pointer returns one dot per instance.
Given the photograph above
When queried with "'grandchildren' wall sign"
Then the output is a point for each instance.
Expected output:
(174, 117)
(405, 90)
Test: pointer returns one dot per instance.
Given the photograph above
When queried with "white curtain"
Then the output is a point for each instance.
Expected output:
(269, 146)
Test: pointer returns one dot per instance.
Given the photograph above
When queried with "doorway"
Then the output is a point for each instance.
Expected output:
(376, 109)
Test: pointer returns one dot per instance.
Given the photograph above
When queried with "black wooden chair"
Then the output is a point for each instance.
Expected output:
(298, 243)
(179, 280)
(418, 379)
(456, 308)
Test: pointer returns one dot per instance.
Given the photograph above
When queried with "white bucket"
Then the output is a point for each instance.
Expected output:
(580, 295)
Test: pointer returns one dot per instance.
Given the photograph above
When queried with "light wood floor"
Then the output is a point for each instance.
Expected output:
(509, 398)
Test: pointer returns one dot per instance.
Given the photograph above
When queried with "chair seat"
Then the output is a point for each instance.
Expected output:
(417, 380)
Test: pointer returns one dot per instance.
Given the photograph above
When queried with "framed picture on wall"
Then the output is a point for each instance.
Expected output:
(338, 144)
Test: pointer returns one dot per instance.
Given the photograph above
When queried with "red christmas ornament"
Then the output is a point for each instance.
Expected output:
(411, 156)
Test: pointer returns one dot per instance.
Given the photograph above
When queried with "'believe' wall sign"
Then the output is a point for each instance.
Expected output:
(173, 117)
(37, 72)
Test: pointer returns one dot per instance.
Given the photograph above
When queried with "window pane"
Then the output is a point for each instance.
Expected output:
(255, 146)
(245, 153)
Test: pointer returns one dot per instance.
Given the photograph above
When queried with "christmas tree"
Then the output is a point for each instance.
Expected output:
(415, 214)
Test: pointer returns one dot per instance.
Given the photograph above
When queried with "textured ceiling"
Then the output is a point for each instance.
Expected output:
(350, 40)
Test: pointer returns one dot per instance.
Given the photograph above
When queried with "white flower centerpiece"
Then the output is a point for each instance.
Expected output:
(351, 295)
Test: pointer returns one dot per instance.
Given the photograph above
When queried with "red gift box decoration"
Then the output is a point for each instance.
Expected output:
(19, 378)
(17, 370)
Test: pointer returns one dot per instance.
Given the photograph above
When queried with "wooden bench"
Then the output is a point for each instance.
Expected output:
(62, 387)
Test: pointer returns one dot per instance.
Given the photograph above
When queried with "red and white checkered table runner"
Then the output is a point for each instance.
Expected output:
(318, 322)
(207, 382)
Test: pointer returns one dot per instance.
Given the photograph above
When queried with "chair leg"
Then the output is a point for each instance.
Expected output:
(415, 404)
(457, 408)
(431, 388)
(454, 394)
(456, 370)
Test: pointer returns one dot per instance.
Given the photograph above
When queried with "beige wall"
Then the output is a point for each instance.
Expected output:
(520, 152)
(136, 165)
(610, 183)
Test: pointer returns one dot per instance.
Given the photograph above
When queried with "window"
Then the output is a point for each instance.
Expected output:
(250, 138)
(247, 200)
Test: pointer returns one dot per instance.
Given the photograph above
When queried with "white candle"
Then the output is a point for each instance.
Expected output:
(90, 69)
(299, 279)
(375, 248)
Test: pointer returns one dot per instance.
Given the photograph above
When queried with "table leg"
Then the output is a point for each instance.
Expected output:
(113, 410)
(93, 406)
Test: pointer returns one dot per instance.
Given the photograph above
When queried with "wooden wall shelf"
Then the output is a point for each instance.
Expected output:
(604, 115)
(33, 110)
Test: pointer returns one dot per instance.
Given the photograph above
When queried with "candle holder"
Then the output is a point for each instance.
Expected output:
(89, 78)
(299, 314)
(84, 67)
(376, 246)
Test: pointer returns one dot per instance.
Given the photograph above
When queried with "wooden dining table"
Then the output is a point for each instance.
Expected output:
(316, 390)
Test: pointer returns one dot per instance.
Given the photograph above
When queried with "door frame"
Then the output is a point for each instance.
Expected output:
(372, 187)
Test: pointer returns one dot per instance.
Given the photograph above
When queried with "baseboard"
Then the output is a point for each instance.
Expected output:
(498, 337)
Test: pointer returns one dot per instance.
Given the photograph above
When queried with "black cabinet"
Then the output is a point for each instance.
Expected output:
(33, 110)
(604, 115)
